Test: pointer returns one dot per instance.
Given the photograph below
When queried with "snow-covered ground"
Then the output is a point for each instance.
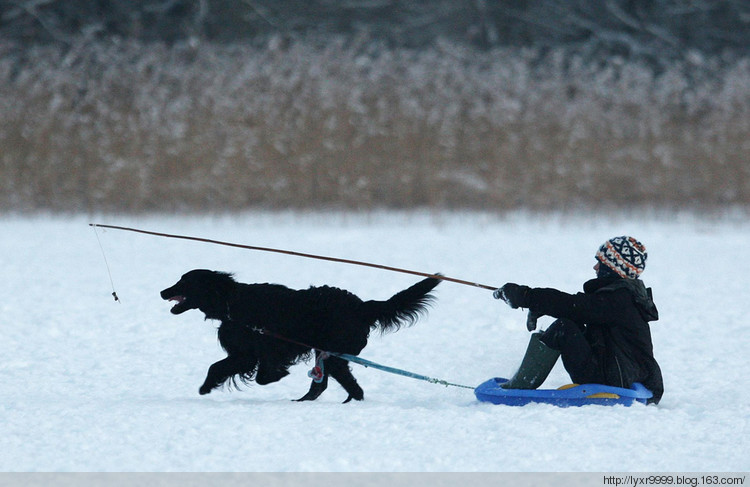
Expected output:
(89, 384)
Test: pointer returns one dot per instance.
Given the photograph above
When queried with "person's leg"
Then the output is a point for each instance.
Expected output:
(577, 356)
(536, 365)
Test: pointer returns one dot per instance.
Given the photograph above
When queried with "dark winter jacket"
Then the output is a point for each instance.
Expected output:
(614, 313)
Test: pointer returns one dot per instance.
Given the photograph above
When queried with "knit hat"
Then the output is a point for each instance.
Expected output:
(625, 256)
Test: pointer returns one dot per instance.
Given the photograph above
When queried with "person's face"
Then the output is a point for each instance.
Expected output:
(596, 267)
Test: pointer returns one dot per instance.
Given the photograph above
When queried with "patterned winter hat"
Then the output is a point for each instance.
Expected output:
(626, 256)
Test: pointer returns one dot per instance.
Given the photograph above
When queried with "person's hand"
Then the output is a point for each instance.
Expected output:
(513, 294)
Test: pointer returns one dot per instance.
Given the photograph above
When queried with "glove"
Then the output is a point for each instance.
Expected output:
(513, 294)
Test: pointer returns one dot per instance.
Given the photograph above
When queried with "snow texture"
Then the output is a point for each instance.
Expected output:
(94, 385)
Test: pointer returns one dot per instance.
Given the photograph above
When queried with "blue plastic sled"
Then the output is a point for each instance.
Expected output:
(572, 395)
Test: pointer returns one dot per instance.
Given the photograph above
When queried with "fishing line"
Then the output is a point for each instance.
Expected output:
(101, 247)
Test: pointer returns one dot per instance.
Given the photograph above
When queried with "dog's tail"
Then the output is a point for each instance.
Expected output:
(402, 308)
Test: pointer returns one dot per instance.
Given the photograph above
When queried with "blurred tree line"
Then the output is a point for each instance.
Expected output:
(209, 105)
(654, 30)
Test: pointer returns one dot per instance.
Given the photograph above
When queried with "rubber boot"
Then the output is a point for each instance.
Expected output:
(535, 366)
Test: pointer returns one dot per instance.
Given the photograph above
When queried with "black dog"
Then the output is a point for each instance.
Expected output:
(266, 328)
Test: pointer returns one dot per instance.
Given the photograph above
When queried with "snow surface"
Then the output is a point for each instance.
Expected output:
(89, 384)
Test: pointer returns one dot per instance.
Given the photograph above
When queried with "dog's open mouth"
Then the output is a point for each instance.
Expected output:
(179, 300)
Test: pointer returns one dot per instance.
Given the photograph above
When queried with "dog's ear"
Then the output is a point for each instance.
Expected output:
(224, 280)
(218, 291)
(227, 277)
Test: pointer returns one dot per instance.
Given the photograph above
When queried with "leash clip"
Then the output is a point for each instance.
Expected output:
(317, 372)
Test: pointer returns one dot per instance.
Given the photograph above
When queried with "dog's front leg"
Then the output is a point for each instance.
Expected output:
(219, 372)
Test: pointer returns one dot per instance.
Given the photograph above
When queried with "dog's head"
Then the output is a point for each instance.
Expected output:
(201, 289)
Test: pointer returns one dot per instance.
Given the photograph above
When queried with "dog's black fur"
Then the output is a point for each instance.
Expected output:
(326, 318)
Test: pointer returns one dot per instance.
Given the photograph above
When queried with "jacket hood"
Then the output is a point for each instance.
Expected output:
(642, 296)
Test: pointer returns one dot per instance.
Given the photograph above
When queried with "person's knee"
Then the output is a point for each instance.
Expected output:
(560, 331)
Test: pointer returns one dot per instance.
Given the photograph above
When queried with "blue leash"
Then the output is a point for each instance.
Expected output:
(393, 370)
(317, 372)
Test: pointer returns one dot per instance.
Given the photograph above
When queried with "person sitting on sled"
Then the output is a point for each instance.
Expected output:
(602, 333)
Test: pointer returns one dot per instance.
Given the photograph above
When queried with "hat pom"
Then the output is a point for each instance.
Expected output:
(624, 255)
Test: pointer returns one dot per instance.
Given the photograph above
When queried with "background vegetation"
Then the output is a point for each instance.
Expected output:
(178, 105)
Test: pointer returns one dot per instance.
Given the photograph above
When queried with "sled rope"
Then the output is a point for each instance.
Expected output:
(298, 254)
(392, 370)
(317, 371)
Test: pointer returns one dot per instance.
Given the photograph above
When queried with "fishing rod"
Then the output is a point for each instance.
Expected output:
(531, 319)
(298, 254)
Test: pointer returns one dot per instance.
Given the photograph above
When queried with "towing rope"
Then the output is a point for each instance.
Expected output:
(392, 370)
(317, 371)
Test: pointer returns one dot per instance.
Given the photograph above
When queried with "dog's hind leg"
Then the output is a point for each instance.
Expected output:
(339, 370)
(316, 389)
(222, 370)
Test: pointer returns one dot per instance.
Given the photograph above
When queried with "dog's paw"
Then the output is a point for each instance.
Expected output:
(357, 397)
